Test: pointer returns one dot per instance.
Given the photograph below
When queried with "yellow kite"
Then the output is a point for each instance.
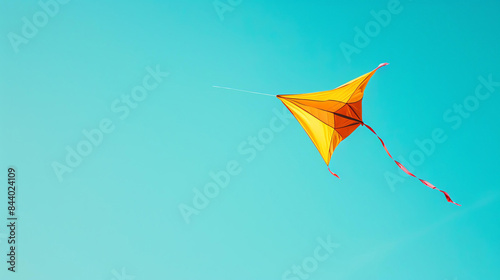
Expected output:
(329, 117)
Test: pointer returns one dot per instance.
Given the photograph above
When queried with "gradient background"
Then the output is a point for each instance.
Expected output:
(120, 208)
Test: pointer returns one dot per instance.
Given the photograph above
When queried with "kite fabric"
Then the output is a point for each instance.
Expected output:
(329, 117)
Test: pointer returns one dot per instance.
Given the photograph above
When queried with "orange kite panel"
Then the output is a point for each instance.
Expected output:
(328, 117)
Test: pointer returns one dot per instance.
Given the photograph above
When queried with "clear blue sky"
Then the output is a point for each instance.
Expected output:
(115, 157)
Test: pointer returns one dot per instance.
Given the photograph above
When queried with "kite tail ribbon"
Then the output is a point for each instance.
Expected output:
(406, 170)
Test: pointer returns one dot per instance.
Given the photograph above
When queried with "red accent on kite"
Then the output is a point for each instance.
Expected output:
(333, 173)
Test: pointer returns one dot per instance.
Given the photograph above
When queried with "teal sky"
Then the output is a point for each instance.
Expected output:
(83, 70)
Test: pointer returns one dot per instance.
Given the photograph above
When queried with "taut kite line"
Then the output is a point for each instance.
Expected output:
(329, 117)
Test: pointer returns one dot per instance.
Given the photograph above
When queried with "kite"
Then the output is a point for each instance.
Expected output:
(329, 117)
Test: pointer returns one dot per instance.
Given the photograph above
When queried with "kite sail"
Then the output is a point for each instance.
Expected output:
(329, 117)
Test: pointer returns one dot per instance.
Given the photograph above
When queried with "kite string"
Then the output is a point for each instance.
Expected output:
(408, 172)
(242, 90)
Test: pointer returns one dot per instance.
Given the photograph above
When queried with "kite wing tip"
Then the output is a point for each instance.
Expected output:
(382, 64)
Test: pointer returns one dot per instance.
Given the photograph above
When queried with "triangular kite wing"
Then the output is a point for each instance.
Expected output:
(330, 116)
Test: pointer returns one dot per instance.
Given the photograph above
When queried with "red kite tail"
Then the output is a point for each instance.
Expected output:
(406, 170)
(333, 173)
